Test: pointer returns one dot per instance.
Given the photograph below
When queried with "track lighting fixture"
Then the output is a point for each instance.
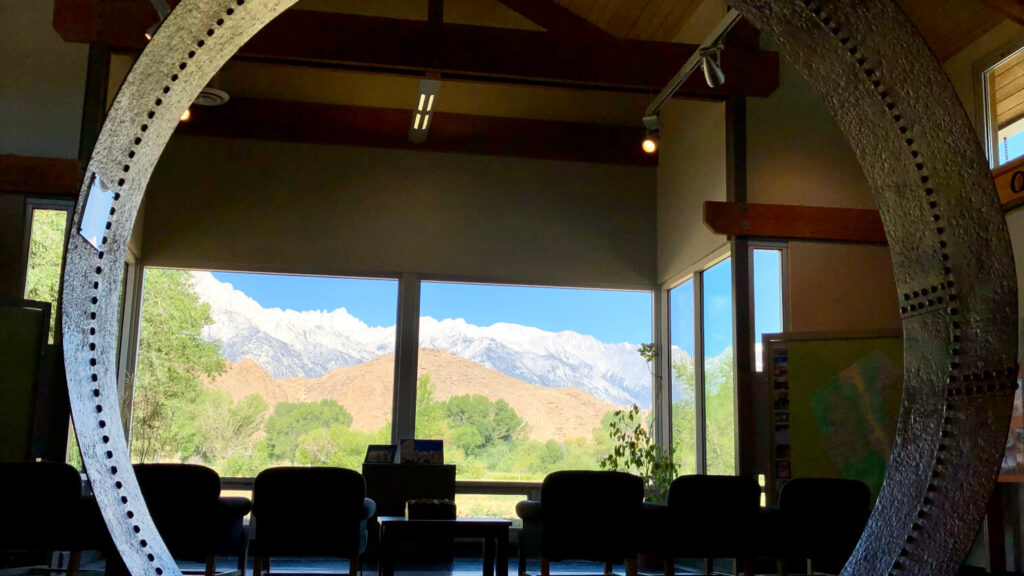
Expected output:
(652, 136)
(711, 63)
(707, 57)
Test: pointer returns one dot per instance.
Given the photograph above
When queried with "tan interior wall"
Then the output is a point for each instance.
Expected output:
(42, 80)
(691, 169)
(285, 207)
(796, 154)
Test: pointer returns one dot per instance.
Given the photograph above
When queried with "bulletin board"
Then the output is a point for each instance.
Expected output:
(835, 405)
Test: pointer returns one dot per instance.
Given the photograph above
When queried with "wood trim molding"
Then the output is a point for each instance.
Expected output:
(45, 176)
(794, 222)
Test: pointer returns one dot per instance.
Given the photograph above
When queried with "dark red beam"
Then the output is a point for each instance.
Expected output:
(457, 51)
(794, 222)
(44, 176)
(389, 128)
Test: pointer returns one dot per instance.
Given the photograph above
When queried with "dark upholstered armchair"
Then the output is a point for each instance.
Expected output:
(818, 519)
(706, 517)
(309, 512)
(193, 518)
(584, 515)
(43, 510)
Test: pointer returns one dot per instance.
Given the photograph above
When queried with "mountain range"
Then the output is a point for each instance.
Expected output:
(310, 344)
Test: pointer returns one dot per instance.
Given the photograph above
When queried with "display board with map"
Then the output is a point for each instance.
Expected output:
(836, 401)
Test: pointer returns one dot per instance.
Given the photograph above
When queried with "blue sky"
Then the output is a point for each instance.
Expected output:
(608, 315)
(718, 304)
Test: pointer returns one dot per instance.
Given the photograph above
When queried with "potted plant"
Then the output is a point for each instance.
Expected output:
(634, 449)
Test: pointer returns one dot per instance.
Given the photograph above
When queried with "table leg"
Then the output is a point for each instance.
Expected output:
(489, 555)
(503, 551)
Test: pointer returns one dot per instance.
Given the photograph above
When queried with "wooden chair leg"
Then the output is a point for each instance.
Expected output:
(780, 565)
(242, 561)
(709, 566)
(669, 566)
(74, 562)
(748, 566)
(211, 565)
(631, 567)
(353, 566)
(609, 568)
(545, 566)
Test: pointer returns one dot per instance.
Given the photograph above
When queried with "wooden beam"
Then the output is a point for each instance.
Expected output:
(1011, 9)
(794, 222)
(389, 128)
(557, 19)
(456, 51)
(33, 175)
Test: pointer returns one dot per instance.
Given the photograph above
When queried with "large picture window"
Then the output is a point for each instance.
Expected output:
(521, 381)
(245, 371)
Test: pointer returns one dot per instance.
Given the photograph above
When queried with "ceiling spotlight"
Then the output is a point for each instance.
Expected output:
(711, 62)
(652, 128)
(424, 110)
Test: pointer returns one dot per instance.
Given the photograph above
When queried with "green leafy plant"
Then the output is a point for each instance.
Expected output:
(634, 449)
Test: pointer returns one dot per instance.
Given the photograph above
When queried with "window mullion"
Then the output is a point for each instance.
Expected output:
(698, 373)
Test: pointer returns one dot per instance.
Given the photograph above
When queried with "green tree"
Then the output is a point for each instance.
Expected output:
(292, 420)
(477, 423)
(337, 445)
(214, 428)
(720, 429)
(684, 422)
(45, 254)
(430, 421)
(173, 360)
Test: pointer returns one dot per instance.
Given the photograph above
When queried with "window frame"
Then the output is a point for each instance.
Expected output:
(696, 274)
(33, 203)
(987, 134)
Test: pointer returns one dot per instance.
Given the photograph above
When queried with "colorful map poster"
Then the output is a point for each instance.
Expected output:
(844, 397)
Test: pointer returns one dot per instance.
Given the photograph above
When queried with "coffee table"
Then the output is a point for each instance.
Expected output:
(493, 531)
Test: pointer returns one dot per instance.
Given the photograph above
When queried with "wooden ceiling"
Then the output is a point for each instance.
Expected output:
(659, 20)
(949, 26)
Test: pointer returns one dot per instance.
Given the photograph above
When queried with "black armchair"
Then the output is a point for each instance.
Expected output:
(584, 515)
(188, 510)
(43, 510)
(706, 517)
(819, 520)
(309, 512)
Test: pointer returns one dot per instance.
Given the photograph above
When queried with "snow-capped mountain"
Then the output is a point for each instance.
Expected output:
(287, 343)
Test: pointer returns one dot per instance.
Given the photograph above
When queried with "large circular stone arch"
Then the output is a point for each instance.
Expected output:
(950, 251)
